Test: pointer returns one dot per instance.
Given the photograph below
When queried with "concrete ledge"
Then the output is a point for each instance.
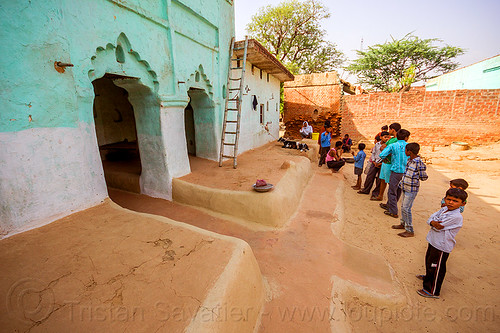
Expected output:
(271, 208)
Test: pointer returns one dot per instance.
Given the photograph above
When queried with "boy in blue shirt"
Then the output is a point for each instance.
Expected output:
(325, 138)
(397, 150)
(359, 161)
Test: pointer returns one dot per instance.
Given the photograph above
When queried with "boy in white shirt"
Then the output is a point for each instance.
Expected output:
(445, 224)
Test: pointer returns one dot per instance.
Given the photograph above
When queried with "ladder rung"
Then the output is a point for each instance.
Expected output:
(227, 156)
(230, 132)
(239, 78)
(238, 48)
(231, 121)
(228, 109)
(231, 89)
(236, 67)
(229, 144)
(237, 59)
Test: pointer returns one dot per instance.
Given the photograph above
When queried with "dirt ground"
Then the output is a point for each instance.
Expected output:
(470, 296)
(304, 262)
(337, 266)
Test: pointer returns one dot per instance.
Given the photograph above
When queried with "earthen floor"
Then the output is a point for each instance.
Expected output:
(300, 261)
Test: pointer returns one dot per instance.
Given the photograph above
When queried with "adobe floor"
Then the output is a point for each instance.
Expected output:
(107, 269)
(301, 261)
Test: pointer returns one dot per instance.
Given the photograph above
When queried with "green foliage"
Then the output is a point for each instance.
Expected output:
(395, 65)
(291, 32)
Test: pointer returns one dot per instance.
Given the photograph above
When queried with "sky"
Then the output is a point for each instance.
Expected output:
(471, 25)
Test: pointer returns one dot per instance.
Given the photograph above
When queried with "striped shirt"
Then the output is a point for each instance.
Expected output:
(399, 158)
(414, 173)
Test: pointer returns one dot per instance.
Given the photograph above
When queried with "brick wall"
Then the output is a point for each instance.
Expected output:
(312, 98)
(433, 117)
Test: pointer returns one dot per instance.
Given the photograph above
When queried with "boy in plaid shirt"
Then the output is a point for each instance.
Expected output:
(410, 183)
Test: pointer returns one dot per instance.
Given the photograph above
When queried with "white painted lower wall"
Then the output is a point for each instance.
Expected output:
(48, 173)
(252, 133)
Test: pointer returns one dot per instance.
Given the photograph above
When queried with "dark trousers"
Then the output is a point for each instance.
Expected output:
(372, 174)
(435, 269)
(322, 155)
(394, 192)
(335, 165)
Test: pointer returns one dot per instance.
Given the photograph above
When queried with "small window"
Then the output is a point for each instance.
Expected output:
(253, 69)
(262, 113)
(277, 108)
(267, 106)
(238, 63)
(261, 74)
(267, 77)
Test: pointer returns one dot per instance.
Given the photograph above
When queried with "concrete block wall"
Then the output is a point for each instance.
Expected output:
(433, 117)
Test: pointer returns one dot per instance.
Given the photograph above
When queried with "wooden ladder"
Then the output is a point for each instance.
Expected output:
(231, 127)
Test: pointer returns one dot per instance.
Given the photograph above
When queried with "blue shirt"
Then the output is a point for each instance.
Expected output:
(399, 158)
(325, 139)
(359, 159)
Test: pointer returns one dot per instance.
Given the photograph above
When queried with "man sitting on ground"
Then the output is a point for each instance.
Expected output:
(306, 130)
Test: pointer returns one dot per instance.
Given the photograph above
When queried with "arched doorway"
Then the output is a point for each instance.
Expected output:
(125, 73)
(116, 134)
(203, 124)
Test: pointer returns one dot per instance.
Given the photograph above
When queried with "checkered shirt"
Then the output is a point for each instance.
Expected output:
(414, 173)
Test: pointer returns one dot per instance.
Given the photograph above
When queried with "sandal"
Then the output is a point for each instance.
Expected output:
(386, 212)
(420, 277)
(425, 293)
(375, 199)
(383, 206)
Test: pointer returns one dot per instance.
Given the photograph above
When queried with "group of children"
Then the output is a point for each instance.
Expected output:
(395, 164)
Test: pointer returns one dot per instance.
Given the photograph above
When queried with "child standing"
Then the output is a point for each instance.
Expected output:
(374, 167)
(410, 184)
(445, 224)
(398, 166)
(326, 137)
(385, 168)
(359, 161)
(457, 183)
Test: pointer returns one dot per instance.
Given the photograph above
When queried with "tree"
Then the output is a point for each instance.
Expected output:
(291, 32)
(395, 65)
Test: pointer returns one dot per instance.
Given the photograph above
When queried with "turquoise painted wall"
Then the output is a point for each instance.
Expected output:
(171, 37)
(481, 75)
(49, 158)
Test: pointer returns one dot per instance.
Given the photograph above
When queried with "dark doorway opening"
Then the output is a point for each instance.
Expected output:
(116, 132)
(190, 130)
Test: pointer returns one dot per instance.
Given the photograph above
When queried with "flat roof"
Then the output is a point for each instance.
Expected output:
(261, 58)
